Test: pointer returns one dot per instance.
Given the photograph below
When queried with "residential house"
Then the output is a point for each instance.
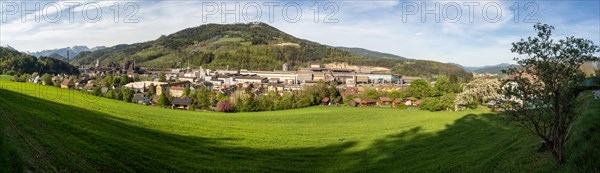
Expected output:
(350, 91)
(67, 83)
(176, 91)
(167, 87)
(366, 102)
(325, 101)
(89, 86)
(104, 90)
(418, 102)
(140, 98)
(181, 103)
(384, 101)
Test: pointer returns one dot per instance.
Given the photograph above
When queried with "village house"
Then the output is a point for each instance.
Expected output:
(325, 101)
(181, 103)
(367, 102)
(104, 90)
(176, 91)
(167, 87)
(384, 101)
(89, 86)
(349, 91)
(67, 83)
(140, 98)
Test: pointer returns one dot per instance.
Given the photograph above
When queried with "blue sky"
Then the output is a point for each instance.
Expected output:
(474, 36)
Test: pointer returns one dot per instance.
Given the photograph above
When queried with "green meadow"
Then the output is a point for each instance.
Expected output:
(46, 129)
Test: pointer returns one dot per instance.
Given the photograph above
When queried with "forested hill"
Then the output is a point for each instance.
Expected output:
(255, 46)
(371, 54)
(15, 62)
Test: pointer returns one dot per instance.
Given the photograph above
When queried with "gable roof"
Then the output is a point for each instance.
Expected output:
(349, 92)
(104, 90)
(368, 100)
(181, 101)
(138, 97)
(385, 99)
(398, 100)
(67, 82)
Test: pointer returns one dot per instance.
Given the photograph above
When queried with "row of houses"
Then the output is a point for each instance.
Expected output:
(385, 101)
(302, 76)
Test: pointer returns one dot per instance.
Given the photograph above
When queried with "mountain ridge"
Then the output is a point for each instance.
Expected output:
(371, 53)
(62, 52)
(256, 46)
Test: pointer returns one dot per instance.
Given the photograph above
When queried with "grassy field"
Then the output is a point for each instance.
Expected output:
(48, 129)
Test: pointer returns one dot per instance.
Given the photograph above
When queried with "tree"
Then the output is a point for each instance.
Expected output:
(47, 79)
(440, 103)
(225, 106)
(246, 103)
(478, 91)
(395, 94)
(163, 100)
(419, 88)
(117, 94)
(542, 96)
(151, 90)
(286, 101)
(96, 91)
(116, 80)
(444, 85)
(162, 77)
(370, 93)
(204, 98)
(108, 80)
(127, 94)
(334, 93)
(124, 80)
(186, 91)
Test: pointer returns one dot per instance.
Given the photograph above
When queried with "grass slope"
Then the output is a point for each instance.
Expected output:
(59, 130)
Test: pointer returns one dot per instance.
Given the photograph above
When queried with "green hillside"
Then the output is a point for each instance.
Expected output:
(15, 62)
(54, 130)
(371, 54)
(240, 46)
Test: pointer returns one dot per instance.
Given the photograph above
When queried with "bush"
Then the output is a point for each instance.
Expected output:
(163, 100)
(225, 106)
(441, 103)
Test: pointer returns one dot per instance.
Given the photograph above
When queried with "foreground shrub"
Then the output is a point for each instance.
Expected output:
(225, 106)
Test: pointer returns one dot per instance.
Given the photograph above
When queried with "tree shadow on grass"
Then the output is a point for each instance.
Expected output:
(58, 137)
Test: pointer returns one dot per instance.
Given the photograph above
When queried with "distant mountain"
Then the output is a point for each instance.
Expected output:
(496, 69)
(492, 69)
(9, 47)
(62, 52)
(256, 46)
(58, 57)
(371, 54)
(468, 69)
